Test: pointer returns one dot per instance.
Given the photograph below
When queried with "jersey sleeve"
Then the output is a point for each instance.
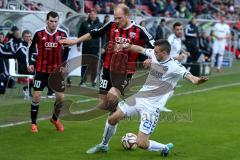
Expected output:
(170, 39)
(32, 49)
(149, 52)
(147, 38)
(180, 70)
(95, 33)
(65, 49)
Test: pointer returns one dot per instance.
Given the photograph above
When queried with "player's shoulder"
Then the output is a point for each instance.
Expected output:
(170, 38)
(175, 63)
(61, 30)
(110, 23)
(39, 30)
(143, 29)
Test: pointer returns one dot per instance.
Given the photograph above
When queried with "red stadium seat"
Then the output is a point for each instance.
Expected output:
(88, 6)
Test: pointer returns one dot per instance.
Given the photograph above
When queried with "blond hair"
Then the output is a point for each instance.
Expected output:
(124, 7)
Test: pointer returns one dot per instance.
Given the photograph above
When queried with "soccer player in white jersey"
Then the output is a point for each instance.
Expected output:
(222, 34)
(149, 101)
(175, 40)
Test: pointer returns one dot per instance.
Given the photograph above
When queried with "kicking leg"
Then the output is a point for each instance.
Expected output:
(143, 142)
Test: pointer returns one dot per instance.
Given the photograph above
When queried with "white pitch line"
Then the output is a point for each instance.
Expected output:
(21, 122)
(208, 89)
(94, 99)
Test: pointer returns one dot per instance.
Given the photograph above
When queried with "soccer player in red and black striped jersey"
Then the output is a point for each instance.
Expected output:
(50, 55)
(121, 30)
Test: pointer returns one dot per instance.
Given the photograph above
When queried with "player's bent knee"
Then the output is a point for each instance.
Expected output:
(36, 97)
(112, 102)
(102, 105)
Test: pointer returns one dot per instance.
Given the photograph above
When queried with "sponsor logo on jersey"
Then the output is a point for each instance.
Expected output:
(50, 45)
(122, 40)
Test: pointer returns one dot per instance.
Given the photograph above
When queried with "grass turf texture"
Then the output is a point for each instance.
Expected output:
(203, 126)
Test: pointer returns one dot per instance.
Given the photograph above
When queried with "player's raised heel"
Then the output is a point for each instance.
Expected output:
(34, 128)
(58, 125)
(97, 148)
(166, 150)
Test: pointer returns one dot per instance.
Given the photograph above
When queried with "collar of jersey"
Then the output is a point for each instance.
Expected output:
(132, 23)
(166, 61)
(49, 32)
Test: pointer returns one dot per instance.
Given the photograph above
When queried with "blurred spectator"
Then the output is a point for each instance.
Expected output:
(162, 30)
(154, 7)
(106, 19)
(153, 29)
(191, 35)
(131, 4)
(170, 7)
(204, 46)
(183, 10)
(2, 37)
(2, 4)
(22, 59)
(98, 8)
(143, 24)
(108, 10)
(237, 25)
(69, 14)
(90, 49)
(13, 39)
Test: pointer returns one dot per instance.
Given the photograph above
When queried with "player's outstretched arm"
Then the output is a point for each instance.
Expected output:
(134, 48)
(70, 42)
(196, 80)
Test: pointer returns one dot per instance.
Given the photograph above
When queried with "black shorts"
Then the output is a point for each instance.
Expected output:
(40, 81)
(107, 81)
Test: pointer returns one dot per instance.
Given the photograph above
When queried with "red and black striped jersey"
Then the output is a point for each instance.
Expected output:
(133, 34)
(50, 53)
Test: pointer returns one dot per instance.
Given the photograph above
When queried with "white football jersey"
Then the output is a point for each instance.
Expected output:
(176, 45)
(162, 78)
(221, 30)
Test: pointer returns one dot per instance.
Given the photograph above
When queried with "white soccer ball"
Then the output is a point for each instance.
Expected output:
(129, 141)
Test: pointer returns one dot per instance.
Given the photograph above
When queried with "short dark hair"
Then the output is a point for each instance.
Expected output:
(176, 24)
(52, 14)
(163, 20)
(14, 29)
(163, 44)
(26, 32)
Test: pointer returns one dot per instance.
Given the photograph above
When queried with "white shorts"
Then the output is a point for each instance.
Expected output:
(219, 47)
(149, 114)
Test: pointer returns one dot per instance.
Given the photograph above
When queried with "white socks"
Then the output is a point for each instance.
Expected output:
(155, 146)
(220, 60)
(109, 131)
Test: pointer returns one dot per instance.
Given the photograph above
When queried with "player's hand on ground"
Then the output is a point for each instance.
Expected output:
(202, 80)
(30, 68)
(147, 63)
(67, 42)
